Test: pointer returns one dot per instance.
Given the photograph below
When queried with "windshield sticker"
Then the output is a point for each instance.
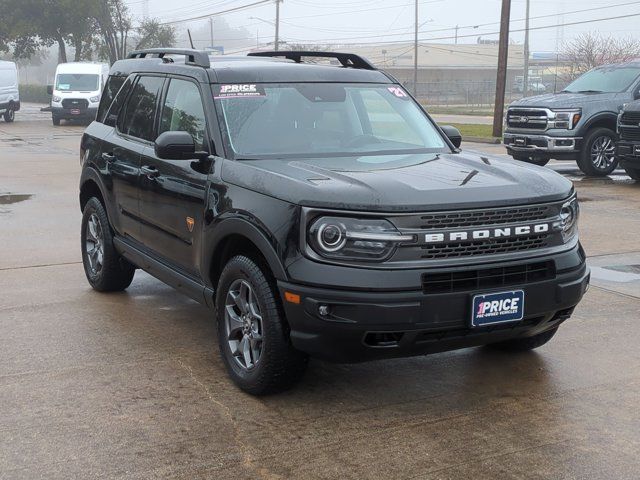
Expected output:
(399, 92)
(64, 86)
(240, 91)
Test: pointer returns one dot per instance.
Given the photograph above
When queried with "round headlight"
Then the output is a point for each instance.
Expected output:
(332, 237)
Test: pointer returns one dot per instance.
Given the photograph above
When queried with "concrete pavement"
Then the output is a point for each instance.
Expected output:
(130, 385)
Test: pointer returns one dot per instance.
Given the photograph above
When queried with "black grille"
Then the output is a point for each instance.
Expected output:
(631, 117)
(474, 218)
(80, 103)
(457, 281)
(529, 119)
(485, 247)
(630, 126)
(629, 133)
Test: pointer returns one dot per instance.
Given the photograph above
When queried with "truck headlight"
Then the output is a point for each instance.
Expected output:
(55, 99)
(566, 119)
(569, 214)
(95, 99)
(355, 238)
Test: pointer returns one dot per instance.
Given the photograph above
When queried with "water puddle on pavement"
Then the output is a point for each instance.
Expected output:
(617, 273)
(11, 198)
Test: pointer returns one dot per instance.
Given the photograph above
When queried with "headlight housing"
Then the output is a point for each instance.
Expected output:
(569, 214)
(55, 99)
(565, 119)
(95, 99)
(344, 238)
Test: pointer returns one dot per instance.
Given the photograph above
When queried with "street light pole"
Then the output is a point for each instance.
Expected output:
(503, 58)
(525, 88)
(211, 31)
(277, 39)
(415, 55)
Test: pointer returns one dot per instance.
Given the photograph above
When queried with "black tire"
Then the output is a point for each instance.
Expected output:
(277, 364)
(634, 173)
(9, 115)
(113, 273)
(533, 160)
(525, 344)
(56, 121)
(589, 162)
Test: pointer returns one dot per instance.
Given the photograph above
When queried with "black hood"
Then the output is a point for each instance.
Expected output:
(416, 182)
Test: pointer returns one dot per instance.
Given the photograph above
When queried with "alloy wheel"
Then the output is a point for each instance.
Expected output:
(603, 153)
(94, 244)
(243, 324)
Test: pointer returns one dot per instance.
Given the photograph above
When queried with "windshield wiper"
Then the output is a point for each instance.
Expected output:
(590, 91)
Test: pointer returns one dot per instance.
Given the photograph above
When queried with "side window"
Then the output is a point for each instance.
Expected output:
(111, 113)
(108, 94)
(183, 111)
(141, 109)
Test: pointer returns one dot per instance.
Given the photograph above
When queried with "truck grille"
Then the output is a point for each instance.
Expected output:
(485, 217)
(530, 119)
(510, 276)
(484, 247)
(630, 126)
(80, 103)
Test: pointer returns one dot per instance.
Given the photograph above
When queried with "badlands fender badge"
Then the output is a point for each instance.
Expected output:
(190, 223)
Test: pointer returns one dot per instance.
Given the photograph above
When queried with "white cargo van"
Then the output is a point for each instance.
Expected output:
(9, 94)
(76, 91)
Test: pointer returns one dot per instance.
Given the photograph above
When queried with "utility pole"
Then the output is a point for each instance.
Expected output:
(501, 79)
(415, 55)
(277, 40)
(211, 31)
(525, 87)
(457, 28)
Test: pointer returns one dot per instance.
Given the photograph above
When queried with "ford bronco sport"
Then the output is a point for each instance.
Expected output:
(578, 123)
(320, 211)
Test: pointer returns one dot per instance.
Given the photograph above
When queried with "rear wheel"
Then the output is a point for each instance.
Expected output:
(252, 332)
(9, 115)
(533, 160)
(525, 344)
(633, 172)
(105, 269)
(598, 155)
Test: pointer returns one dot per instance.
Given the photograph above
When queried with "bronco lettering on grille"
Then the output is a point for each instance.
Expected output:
(487, 234)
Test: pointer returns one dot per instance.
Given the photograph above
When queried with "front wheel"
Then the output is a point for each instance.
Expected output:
(525, 344)
(105, 269)
(9, 115)
(253, 335)
(598, 155)
(633, 173)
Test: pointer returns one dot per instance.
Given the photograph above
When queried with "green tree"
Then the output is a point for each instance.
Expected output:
(152, 34)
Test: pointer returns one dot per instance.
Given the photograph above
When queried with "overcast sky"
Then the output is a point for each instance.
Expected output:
(363, 21)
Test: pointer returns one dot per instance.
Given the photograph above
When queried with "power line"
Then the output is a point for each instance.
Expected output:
(221, 12)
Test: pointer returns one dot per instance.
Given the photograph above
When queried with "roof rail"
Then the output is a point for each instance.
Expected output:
(346, 59)
(196, 58)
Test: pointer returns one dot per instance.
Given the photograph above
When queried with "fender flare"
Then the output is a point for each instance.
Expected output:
(242, 226)
(607, 116)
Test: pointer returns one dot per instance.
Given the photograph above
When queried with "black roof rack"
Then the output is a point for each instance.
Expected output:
(346, 59)
(196, 58)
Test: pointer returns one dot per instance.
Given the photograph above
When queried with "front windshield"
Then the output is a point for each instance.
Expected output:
(323, 119)
(77, 82)
(605, 80)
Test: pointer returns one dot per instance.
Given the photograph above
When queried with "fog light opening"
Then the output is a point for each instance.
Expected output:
(383, 339)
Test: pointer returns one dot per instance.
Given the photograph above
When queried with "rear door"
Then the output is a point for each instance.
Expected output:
(172, 192)
(123, 147)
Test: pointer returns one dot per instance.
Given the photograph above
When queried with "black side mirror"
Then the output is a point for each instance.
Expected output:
(176, 145)
(453, 134)
(50, 89)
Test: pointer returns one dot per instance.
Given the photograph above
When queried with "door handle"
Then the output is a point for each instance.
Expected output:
(108, 157)
(150, 172)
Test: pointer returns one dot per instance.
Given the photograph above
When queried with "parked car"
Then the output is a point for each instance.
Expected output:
(77, 90)
(535, 85)
(629, 144)
(319, 211)
(9, 92)
(577, 124)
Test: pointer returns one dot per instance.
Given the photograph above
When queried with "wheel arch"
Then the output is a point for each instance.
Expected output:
(237, 236)
(601, 120)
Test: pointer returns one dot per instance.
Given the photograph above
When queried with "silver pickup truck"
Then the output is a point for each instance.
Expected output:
(578, 123)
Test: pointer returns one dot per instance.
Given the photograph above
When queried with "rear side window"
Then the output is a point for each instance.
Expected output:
(111, 114)
(108, 94)
(140, 113)
(183, 111)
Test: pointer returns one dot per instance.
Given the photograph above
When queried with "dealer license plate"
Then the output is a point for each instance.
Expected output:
(520, 141)
(75, 111)
(494, 308)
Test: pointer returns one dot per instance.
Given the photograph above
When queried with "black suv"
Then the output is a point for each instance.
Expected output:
(629, 145)
(321, 212)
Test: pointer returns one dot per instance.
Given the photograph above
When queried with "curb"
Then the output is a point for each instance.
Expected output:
(491, 141)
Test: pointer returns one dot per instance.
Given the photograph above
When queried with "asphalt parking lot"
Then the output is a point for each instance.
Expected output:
(130, 385)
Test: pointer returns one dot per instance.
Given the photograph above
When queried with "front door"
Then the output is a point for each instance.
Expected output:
(172, 192)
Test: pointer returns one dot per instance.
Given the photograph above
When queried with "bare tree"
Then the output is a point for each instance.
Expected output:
(590, 50)
(114, 22)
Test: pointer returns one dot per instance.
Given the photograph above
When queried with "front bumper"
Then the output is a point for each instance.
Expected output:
(629, 154)
(74, 113)
(366, 325)
(541, 145)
